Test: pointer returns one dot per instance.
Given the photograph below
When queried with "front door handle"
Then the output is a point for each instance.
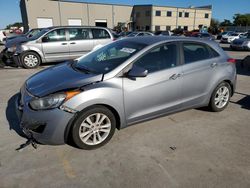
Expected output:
(213, 65)
(72, 43)
(175, 76)
(64, 43)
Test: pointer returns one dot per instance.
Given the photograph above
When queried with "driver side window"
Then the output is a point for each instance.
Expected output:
(159, 58)
(56, 36)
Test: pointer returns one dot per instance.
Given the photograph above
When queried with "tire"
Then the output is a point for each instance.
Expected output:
(30, 60)
(85, 128)
(220, 97)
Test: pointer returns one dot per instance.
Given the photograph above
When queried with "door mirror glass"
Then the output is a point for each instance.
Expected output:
(137, 72)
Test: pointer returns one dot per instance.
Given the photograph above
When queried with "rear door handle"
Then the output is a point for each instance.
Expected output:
(213, 65)
(64, 43)
(72, 43)
(175, 76)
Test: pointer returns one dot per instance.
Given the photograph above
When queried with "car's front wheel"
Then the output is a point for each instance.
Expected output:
(220, 97)
(30, 60)
(93, 128)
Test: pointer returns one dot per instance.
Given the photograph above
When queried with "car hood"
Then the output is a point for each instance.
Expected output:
(58, 78)
(15, 41)
(16, 36)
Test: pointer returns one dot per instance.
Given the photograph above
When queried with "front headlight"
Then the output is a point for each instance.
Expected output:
(52, 101)
(49, 102)
(12, 49)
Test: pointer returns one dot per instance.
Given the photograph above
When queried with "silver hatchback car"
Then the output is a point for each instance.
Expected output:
(123, 83)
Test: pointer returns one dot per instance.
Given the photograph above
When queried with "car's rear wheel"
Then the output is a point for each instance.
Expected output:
(30, 60)
(220, 97)
(94, 128)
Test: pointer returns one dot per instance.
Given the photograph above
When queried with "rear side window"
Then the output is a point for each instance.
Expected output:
(197, 52)
(56, 35)
(79, 34)
(100, 34)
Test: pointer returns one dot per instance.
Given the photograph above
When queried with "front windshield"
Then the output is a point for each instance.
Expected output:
(109, 57)
(39, 34)
(33, 32)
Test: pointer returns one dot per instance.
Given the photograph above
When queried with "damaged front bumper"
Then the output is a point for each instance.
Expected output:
(10, 58)
(47, 126)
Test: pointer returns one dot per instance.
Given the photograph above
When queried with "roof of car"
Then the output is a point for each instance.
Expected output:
(75, 26)
(150, 40)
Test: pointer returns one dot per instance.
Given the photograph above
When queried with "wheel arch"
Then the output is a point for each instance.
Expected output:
(67, 133)
(38, 52)
(231, 85)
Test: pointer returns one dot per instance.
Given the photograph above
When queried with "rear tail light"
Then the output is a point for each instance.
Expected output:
(114, 39)
(231, 60)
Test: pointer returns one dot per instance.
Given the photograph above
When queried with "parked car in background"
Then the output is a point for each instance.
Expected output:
(241, 43)
(224, 34)
(124, 33)
(2, 37)
(231, 37)
(244, 35)
(123, 83)
(140, 34)
(163, 33)
(207, 36)
(190, 33)
(56, 44)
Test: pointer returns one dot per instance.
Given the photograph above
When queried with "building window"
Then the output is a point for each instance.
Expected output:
(147, 28)
(147, 13)
(168, 28)
(158, 13)
(169, 14)
(180, 14)
(206, 15)
(186, 14)
(137, 28)
(138, 14)
(157, 28)
(179, 27)
(185, 28)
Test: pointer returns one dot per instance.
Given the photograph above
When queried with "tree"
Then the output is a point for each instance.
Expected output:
(214, 23)
(16, 24)
(241, 19)
(226, 23)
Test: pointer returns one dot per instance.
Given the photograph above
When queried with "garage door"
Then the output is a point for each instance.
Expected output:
(44, 22)
(75, 22)
(101, 23)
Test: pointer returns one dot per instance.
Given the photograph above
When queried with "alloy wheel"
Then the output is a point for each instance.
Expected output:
(95, 129)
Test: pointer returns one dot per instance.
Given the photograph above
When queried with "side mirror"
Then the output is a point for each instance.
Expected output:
(137, 72)
(45, 39)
